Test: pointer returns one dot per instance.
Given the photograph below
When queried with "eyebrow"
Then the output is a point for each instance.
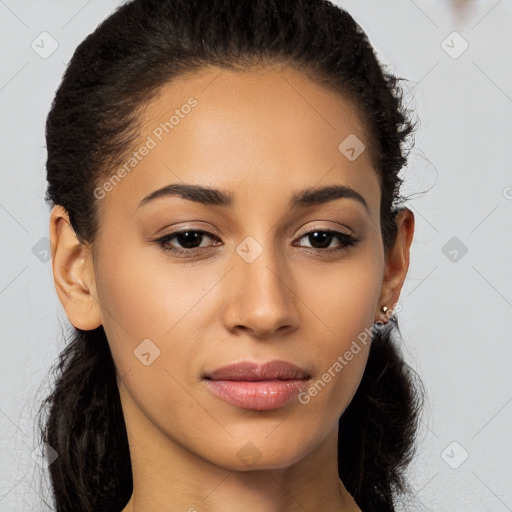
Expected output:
(216, 197)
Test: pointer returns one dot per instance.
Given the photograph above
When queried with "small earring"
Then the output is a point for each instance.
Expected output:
(384, 309)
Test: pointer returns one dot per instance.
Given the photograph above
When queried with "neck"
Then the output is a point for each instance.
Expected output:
(255, 501)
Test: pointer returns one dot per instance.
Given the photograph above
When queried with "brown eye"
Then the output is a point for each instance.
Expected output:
(189, 240)
(321, 239)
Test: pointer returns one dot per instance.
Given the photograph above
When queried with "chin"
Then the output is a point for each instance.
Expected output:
(260, 454)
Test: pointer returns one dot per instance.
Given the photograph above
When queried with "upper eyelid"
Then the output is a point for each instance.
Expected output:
(306, 230)
(339, 227)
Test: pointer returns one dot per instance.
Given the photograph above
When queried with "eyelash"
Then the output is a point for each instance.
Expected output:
(347, 241)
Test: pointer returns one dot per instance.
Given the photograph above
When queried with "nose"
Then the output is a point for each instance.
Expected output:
(262, 297)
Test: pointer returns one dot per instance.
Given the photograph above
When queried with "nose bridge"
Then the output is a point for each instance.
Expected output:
(263, 300)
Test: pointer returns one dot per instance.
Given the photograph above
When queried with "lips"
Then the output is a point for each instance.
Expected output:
(257, 386)
(252, 372)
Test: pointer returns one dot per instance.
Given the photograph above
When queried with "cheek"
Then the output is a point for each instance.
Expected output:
(142, 296)
(344, 300)
(145, 297)
(344, 296)
(147, 306)
(131, 302)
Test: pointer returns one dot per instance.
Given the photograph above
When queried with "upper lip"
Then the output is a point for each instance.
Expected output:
(249, 371)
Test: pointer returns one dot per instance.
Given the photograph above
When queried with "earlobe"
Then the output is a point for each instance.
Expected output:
(397, 262)
(73, 273)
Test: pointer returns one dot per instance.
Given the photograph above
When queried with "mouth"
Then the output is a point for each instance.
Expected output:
(257, 386)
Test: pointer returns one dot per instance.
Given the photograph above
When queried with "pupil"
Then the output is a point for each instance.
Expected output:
(188, 238)
(325, 236)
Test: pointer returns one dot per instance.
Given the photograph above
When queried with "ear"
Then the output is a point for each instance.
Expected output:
(397, 264)
(73, 273)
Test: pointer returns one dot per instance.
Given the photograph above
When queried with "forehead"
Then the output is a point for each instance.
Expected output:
(264, 132)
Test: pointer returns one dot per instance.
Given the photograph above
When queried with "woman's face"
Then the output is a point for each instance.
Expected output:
(259, 285)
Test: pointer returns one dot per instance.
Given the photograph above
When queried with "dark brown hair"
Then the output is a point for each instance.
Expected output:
(91, 127)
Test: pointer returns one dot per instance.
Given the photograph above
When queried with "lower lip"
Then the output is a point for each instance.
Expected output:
(260, 396)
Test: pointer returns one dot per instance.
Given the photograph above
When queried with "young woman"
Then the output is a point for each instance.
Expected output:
(228, 242)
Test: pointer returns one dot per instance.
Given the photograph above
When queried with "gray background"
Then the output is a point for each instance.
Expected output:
(457, 305)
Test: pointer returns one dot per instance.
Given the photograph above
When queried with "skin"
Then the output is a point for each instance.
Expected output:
(261, 135)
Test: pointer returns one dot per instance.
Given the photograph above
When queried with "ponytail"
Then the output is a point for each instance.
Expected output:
(85, 426)
(377, 430)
